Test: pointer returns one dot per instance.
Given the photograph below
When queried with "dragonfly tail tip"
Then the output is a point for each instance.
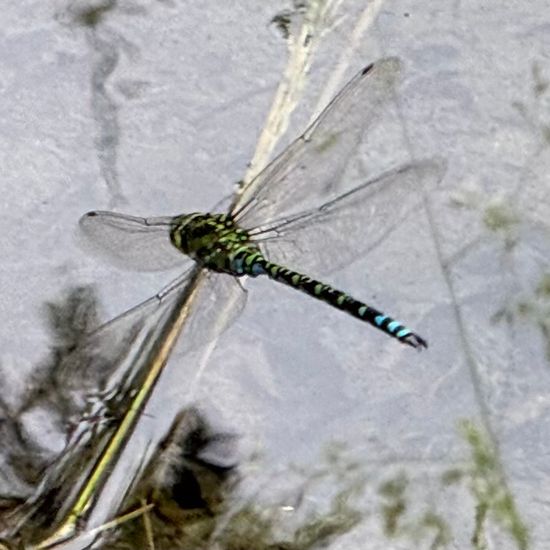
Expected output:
(415, 341)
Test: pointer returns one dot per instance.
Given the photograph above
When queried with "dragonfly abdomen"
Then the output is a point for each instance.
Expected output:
(342, 301)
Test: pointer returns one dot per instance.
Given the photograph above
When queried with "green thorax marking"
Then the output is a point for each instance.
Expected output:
(215, 241)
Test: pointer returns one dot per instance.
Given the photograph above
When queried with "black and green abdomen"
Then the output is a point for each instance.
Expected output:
(342, 301)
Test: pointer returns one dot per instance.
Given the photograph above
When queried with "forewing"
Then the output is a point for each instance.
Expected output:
(325, 239)
(310, 168)
(141, 244)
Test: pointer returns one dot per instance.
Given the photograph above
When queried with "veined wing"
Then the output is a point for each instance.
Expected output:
(118, 349)
(310, 168)
(108, 368)
(326, 238)
(219, 300)
(141, 244)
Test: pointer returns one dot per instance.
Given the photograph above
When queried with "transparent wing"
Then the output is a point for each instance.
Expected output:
(219, 300)
(102, 375)
(117, 352)
(326, 238)
(310, 167)
(141, 244)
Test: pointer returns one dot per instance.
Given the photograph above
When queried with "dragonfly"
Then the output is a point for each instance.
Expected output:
(295, 212)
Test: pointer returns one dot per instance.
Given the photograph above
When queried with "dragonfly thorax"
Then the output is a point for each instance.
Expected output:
(216, 242)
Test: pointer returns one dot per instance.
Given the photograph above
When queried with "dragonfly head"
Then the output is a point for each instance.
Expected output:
(180, 227)
(183, 220)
